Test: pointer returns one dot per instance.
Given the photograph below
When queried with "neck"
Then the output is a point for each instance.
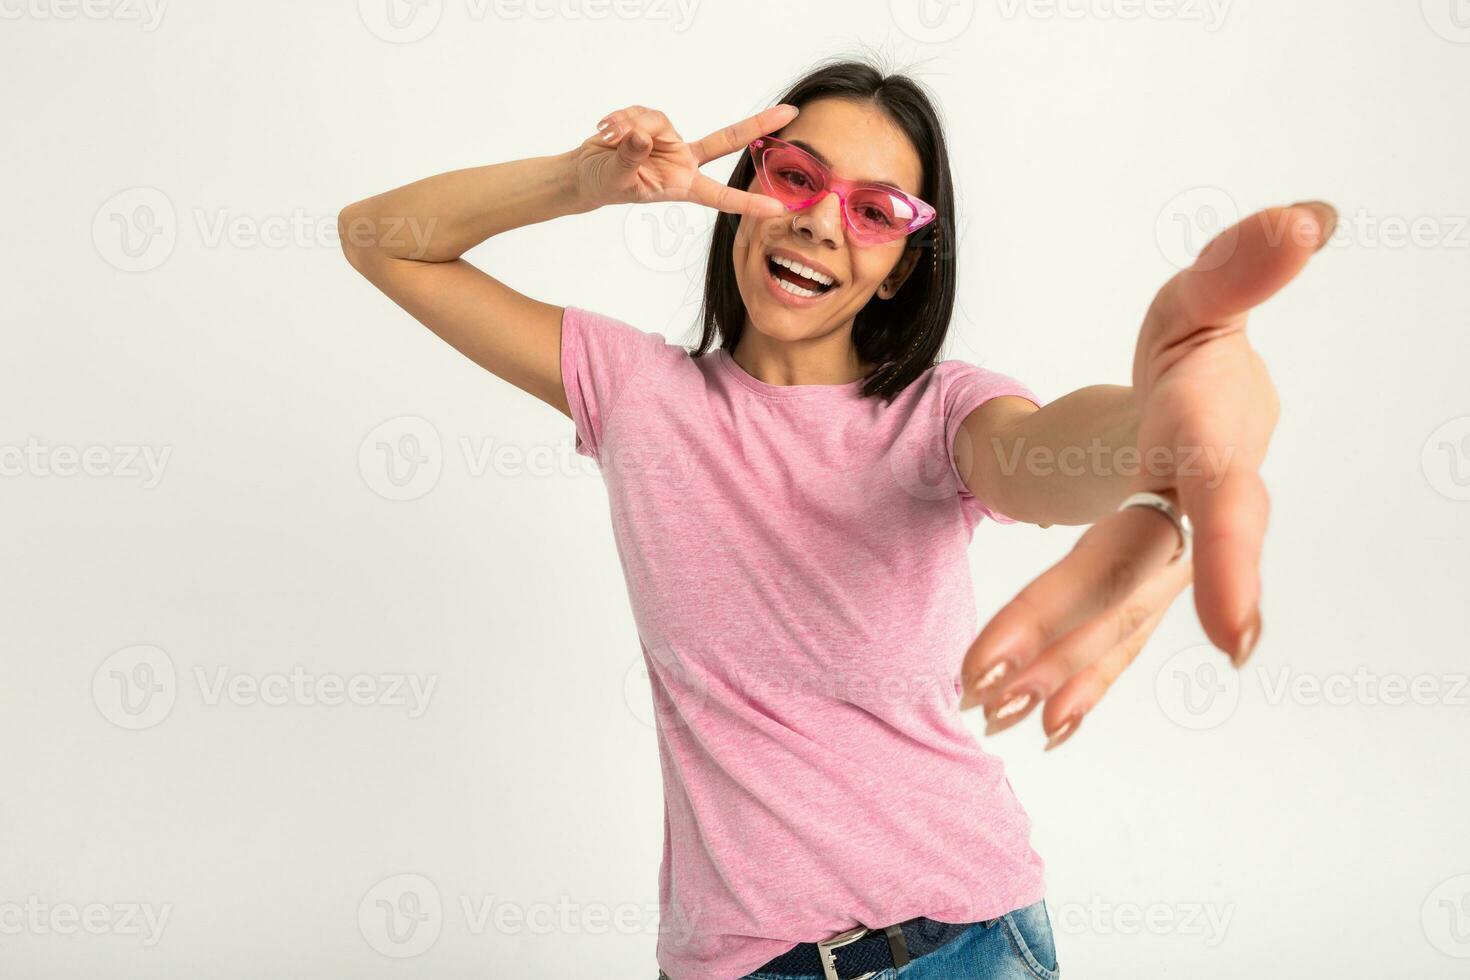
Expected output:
(829, 360)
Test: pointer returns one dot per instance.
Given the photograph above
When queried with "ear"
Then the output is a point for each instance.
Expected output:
(901, 269)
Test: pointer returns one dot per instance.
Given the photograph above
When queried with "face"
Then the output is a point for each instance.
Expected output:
(857, 141)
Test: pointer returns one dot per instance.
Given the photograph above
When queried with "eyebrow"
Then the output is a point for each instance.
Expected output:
(828, 164)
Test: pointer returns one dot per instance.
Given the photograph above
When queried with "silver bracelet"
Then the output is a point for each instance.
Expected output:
(1180, 521)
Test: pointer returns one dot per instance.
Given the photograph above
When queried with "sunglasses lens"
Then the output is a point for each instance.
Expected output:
(791, 176)
(878, 214)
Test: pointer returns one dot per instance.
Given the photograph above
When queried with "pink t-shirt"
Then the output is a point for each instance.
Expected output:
(796, 558)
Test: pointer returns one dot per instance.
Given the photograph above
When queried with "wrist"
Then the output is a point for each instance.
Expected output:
(575, 198)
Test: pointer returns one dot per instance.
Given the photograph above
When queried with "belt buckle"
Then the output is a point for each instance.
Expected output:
(825, 948)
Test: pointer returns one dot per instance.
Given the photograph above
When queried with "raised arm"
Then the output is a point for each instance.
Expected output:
(409, 242)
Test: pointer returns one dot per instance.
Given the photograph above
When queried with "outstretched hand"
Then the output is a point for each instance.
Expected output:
(1206, 409)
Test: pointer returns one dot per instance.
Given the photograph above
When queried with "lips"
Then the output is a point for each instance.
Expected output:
(803, 269)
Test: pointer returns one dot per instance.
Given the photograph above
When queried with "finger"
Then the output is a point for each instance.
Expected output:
(616, 124)
(1107, 563)
(1241, 268)
(1229, 508)
(739, 135)
(632, 151)
(1129, 621)
(1072, 702)
(723, 197)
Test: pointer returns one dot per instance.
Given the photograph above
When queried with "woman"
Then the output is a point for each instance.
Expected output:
(793, 500)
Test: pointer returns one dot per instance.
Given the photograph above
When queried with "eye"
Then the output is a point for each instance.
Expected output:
(877, 216)
(795, 177)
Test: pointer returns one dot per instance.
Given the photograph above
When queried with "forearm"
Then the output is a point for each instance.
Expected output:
(439, 218)
(1070, 462)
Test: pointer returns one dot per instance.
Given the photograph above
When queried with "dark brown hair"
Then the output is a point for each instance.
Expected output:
(903, 334)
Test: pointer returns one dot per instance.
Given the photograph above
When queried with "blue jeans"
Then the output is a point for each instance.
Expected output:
(1017, 946)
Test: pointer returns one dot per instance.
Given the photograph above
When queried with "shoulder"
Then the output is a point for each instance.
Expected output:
(961, 387)
(614, 343)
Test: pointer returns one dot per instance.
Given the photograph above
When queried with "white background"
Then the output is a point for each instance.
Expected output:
(173, 287)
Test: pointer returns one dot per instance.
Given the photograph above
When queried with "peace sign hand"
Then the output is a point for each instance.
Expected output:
(637, 157)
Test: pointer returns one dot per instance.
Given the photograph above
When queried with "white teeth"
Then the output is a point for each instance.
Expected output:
(796, 290)
(805, 271)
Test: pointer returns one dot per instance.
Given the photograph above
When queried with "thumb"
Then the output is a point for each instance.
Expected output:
(633, 149)
(1246, 264)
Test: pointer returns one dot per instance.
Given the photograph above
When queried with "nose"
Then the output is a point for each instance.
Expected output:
(821, 221)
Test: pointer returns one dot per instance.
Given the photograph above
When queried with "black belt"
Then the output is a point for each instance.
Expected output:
(861, 952)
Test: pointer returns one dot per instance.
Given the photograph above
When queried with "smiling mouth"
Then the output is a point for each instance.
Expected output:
(798, 279)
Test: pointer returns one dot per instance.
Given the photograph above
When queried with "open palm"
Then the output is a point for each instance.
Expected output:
(1206, 410)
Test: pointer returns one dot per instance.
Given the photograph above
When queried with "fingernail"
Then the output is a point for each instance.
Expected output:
(1248, 641)
(608, 134)
(1011, 712)
(1326, 216)
(1063, 733)
(991, 677)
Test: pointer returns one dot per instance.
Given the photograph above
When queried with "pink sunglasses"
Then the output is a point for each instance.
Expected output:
(874, 213)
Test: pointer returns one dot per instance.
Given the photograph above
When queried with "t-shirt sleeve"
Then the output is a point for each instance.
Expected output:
(600, 357)
(967, 388)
